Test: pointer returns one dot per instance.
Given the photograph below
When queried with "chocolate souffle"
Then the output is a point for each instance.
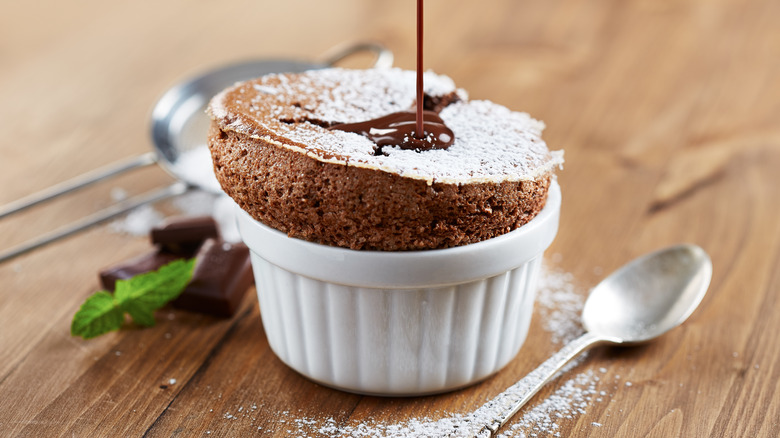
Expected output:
(275, 156)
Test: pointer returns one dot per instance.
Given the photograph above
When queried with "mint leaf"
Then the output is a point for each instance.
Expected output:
(98, 315)
(139, 296)
(153, 290)
(141, 314)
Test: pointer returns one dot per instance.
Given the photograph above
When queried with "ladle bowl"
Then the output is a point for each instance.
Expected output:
(179, 128)
(180, 123)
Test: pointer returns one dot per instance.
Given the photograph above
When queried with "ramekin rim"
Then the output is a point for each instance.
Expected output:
(457, 264)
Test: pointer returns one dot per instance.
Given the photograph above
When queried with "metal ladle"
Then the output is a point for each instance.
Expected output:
(641, 301)
(179, 128)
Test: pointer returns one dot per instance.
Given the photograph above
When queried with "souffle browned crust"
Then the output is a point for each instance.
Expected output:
(308, 194)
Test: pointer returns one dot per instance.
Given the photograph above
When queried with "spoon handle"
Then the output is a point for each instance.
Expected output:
(518, 394)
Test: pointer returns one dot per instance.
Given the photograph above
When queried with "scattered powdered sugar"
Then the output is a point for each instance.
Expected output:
(567, 402)
(195, 203)
(219, 206)
(492, 143)
(118, 194)
(224, 213)
(195, 167)
(138, 221)
(334, 94)
(559, 299)
(559, 302)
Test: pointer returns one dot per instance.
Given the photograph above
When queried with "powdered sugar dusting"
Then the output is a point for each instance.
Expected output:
(559, 301)
(195, 167)
(140, 221)
(492, 143)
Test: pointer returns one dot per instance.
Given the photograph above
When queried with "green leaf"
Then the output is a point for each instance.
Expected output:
(141, 314)
(148, 292)
(139, 296)
(98, 315)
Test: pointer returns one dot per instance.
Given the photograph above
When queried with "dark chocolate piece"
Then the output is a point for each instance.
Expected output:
(183, 235)
(221, 277)
(133, 267)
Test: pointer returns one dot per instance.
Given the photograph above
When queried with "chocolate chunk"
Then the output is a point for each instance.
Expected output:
(183, 235)
(222, 275)
(133, 267)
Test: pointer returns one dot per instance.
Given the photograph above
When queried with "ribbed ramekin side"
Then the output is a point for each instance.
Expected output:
(395, 342)
(342, 335)
(518, 311)
(490, 339)
(497, 312)
(265, 284)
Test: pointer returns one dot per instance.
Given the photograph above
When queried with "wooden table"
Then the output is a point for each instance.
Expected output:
(669, 113)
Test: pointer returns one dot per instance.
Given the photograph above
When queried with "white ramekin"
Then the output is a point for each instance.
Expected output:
(398, 323)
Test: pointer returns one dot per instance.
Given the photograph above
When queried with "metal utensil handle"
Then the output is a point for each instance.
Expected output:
(94, 219)
(521, 392)
(78, 182)
(384, 57)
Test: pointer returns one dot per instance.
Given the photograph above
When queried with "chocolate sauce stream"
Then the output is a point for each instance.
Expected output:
(419, 130)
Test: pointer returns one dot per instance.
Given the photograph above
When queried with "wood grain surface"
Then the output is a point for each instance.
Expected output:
(669, 113)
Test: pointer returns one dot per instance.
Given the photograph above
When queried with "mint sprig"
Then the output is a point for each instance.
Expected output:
(99, 314)
(139, 296)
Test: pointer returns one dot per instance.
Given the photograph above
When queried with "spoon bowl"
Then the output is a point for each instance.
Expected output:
(639, 302)
(649, 296)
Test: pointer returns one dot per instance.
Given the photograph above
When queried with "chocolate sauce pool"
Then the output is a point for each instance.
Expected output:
(400, 129)
(418, 130)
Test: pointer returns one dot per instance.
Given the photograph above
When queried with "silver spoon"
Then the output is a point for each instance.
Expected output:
(179, 128)
(641, 301)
